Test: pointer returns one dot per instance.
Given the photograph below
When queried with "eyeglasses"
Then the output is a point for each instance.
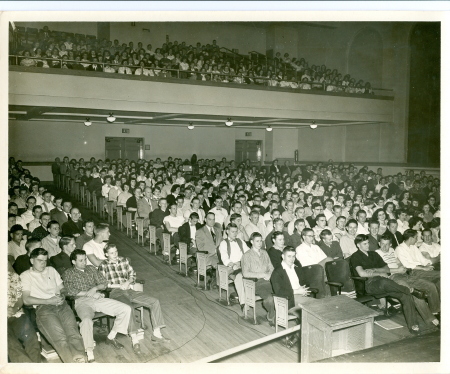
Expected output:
(311, 236)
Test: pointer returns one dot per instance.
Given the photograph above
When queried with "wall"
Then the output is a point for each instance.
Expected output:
(35, 141)
(286, 142)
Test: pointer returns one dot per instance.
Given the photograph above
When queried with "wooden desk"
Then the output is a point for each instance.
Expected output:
(333, 323)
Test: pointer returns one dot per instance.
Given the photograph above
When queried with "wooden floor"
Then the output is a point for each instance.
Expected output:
(197, 324)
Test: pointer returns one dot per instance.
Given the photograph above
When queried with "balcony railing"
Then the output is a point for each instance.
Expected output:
(219, 77)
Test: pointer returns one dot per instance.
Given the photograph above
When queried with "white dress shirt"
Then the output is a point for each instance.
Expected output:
(293, 278)
(235, 254)
(309, 255)
(410, 256)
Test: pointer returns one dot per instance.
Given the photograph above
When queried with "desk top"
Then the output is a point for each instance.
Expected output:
(338, 310)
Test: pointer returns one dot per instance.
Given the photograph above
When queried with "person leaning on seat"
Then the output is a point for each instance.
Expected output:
(121, 278)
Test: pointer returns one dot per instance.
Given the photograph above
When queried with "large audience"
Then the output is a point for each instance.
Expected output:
(265, 223)
(49, 49)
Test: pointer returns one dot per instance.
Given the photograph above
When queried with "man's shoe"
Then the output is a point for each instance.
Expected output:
(114, 342)
(161, 339)
(271, 321)
(137, 348)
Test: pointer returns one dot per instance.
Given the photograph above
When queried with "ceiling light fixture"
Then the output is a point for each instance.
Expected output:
(190, 126)
(229, 122)
(313, 125)
(87, 122)
(111, 118)
(268, 128)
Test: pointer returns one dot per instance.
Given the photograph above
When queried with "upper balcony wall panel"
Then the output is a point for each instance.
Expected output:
(135, 93)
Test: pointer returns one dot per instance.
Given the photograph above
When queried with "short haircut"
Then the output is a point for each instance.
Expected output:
(30, 242)
(234, 216)
(75, 253)
(385, 237)
(36, 207)
(108, 246)
(52, 222)
(31, 197)
(194, 215)
(320, 216)
(410, 233)
(361, 211)
(298, 220)
(255, 235)
(15, 228)
(65, 240)
(45, 214)
(275, 234)
(171, 205)
(351, 221)
(276, 220)
(89, 220)
(392, 221)
(324, 233)
(38, 252)
(306, 230)
(100, 228)
(361, 238)
(231, 225)
(373, 222)
(288, 249)
(315, 205)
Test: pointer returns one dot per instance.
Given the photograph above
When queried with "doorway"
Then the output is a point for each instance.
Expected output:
(130, 148)
(248, 149)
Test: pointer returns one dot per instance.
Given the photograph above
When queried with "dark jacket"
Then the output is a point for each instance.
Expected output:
(184, 232)
(282, 286)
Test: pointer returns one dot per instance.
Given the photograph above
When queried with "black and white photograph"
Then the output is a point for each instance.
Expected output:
(223, 188)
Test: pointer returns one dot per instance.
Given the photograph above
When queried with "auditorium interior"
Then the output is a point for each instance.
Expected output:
(235, 111)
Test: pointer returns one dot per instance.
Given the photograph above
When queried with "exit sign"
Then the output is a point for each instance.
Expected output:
(125, 131)
(248, 134)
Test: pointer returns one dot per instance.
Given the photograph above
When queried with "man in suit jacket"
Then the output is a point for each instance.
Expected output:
(187, 232)
(62, 216)
(285, 280)
(74, 226)
(144, 206)
(208, 239)
(396, 236)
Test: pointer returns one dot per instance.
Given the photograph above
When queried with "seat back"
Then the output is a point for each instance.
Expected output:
(110, 208)
(281, 312)
(250, 294)
(140, 228)
(313, 276)
(339, 271)
(166, 244)
(152, 237)
(223, 277)
(119, 217)
(88, 198)
(201, 264)
(182, 247)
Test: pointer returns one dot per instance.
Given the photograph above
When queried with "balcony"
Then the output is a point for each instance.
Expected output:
(63, 94)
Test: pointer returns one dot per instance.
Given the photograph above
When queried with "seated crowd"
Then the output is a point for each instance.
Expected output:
(263, 223)
(176, 59)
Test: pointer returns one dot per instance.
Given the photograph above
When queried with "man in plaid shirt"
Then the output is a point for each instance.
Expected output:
(83, 282)
(121, 278)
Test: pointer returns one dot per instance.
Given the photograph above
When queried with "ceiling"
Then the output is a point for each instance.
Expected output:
(64, 114)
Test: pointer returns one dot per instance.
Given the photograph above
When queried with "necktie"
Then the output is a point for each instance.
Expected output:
(213, 235)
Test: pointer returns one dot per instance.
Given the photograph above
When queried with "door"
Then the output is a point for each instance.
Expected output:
(248, 149)
(130, 148)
